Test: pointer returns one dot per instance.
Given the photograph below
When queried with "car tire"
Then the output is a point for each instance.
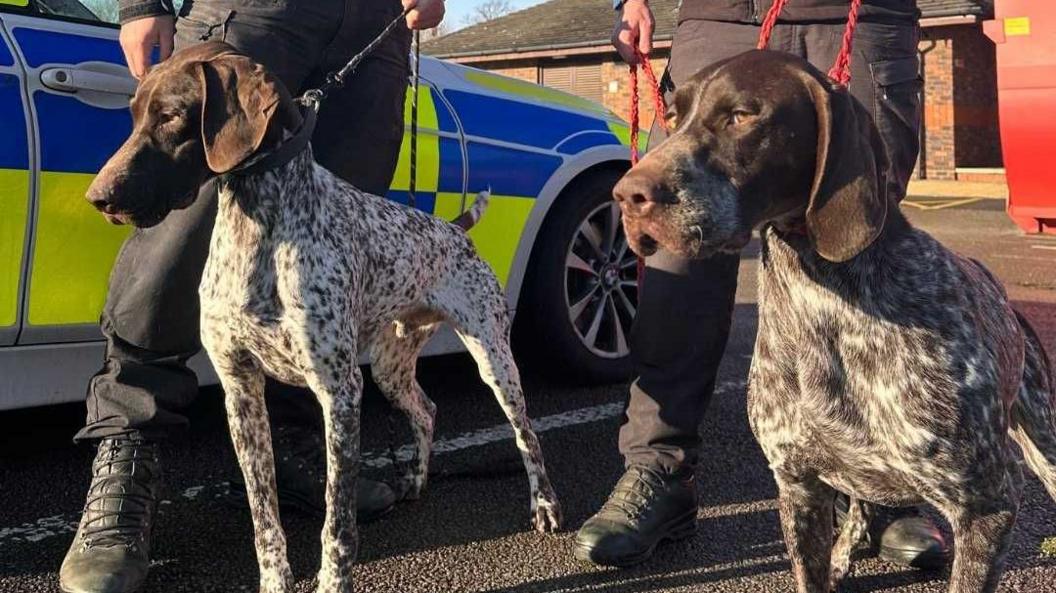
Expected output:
(581, 283)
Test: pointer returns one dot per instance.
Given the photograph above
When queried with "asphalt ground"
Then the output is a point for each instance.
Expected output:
(470, 530)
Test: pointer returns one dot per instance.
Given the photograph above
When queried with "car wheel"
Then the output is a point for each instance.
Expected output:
(581, 291)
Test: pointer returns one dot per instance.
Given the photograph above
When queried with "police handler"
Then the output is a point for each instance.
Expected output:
(684, 314)
(150, 320)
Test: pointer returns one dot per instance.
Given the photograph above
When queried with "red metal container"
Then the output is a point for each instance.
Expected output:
(1025, 34)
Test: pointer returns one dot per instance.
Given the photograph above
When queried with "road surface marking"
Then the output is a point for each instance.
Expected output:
(941, 204)
(40, 529)
(56, 525)
(503, 432)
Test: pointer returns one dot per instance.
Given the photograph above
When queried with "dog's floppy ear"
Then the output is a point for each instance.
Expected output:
(848, 202)
(240, 100)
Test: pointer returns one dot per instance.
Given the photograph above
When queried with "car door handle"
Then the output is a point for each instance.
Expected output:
(71, 80)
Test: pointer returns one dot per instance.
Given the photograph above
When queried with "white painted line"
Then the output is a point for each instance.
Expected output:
(42, 528)
(501, 432)
(1052, 247)
(57, 525)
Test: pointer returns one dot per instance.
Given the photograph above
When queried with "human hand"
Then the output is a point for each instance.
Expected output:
(425, 14)
(634, 28)
(139, 37)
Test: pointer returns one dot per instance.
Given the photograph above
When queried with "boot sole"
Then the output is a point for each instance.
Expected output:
(679, 529)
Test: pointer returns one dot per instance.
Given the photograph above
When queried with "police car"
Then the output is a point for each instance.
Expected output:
(551, 233)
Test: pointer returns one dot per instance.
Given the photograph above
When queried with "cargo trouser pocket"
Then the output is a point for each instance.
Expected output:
(896, 107)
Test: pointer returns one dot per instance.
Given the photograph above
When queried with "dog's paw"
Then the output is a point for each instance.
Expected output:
(546, 515)
(410, 487)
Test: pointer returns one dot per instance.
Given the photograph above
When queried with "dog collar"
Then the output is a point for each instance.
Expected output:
(284, 153)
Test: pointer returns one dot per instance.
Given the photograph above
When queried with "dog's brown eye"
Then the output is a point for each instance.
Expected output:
(165, 117)
(672, 119)
(740, 117)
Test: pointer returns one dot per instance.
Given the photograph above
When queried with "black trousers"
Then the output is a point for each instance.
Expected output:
(686, 306)
(150, 320)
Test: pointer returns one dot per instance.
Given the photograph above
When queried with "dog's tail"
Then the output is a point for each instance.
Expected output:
(1034, 411)
(471, 217)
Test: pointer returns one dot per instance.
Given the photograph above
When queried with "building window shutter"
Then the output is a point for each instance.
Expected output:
(559, 77)
(584, 80)
(587, 82)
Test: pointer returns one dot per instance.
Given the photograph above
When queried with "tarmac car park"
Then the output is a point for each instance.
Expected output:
(552, 233)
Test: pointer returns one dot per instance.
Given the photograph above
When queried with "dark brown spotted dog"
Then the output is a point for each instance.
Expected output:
(886, 366)
(305, 272)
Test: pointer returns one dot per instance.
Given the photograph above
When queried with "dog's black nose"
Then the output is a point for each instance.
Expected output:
(638, 192)
(101, 198)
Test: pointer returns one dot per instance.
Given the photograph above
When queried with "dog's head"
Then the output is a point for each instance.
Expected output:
(198, 114)
(757, 138)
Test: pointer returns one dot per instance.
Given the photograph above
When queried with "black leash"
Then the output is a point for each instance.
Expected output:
(415, 64)
(314, 98)
(337, 79)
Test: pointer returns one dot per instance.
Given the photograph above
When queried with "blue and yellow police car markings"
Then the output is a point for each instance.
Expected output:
(516, 122)
(514, 191)
(490, 165)
(51, 47)
(622, 132)
(428, 165)
(445, 122)
(74, 247)
(577, 143)
(498, 234)
(6, 59)
(14, 195)
(527, 90)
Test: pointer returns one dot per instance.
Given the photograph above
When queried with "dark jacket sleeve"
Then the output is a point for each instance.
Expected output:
(130, 10)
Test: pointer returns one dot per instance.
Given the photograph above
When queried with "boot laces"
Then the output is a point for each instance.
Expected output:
(633, 493)
(121, 498)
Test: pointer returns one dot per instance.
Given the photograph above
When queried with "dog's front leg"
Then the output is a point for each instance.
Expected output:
(247, 419)
(339, 390)
(806, 520)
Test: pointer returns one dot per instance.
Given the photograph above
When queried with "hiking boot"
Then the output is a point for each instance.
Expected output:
(903, 536)
(300, 476)
(645, 508)
(111, 551)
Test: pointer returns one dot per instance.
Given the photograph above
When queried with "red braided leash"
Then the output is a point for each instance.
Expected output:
(841, 68)
(658, 100)
(658, 107)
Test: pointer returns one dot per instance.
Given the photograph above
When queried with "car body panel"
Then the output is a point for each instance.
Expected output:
(72, 247)
(15, 188)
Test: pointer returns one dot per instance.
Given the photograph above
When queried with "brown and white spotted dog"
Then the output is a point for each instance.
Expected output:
(885, 367)
(305, 272)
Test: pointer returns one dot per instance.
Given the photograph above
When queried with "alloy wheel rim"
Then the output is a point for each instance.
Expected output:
(601, 283)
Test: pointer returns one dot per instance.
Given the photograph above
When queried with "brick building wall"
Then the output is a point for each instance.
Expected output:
(978, 141)
(937, 148)
(960, 127)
